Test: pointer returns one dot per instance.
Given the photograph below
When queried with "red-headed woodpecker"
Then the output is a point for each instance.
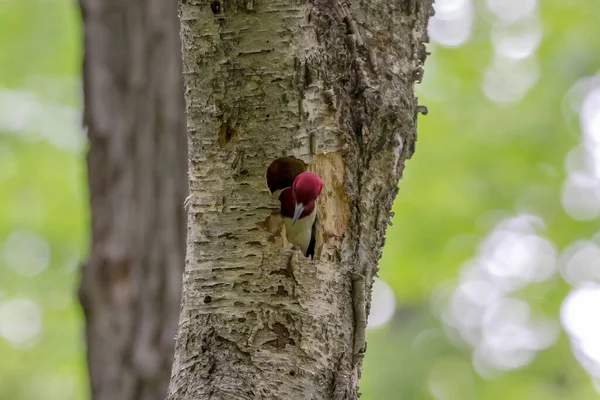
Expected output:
(299, 211)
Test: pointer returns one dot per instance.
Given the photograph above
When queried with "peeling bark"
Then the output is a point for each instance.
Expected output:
(134, 114)
(332, 84)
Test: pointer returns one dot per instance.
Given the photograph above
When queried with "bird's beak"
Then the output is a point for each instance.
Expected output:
(297, 212)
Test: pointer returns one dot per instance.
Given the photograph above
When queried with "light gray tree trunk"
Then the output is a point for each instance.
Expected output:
(332, 84)
(137, 163)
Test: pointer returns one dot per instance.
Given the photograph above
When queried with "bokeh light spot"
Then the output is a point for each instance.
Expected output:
(383, 304)
(590, 116)
(480, 310)
(20, 322)
(581, 196)
(511, 10)
(452, 24)
(508, 80)
(518, 40)
(579, 317)
(25, 114)
(26, 253)
(581, 189)
(580, 262)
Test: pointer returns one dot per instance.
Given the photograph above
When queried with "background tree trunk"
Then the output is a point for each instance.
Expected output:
(130, 289)
(328, 82)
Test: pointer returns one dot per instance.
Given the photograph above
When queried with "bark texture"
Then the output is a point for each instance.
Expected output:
(137, 164)
(330, 83)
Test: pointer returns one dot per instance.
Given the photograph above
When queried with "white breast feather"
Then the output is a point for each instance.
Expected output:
(301, 232)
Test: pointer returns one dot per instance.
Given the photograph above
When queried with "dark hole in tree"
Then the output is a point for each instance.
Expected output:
(308, 78)
(226, 133)
(207, 299)
(215, 6)
(281, 291)
(282, 172)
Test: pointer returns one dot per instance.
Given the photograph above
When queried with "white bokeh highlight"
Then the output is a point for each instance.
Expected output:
(26, 253)
(481, 311)
(515, 35)
(511, 10)
(452, 24)
(579, 317)
(580, 263)
(517, 41)
(383, 304)
(580, 196)
(20, 322)
(590, 116)
(507, 80)
(25, 114)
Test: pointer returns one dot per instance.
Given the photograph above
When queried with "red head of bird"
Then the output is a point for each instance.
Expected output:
(305, 190)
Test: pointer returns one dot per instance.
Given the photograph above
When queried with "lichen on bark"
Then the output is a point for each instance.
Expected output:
(328, 82)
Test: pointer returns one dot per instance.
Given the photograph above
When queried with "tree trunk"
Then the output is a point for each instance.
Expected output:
(329, 83)
(137, 163)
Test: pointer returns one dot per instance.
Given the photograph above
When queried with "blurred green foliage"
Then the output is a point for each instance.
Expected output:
(475, 160)
(42, 194)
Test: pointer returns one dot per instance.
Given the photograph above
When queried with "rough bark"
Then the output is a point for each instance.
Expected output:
(137, 170)
(328, 82)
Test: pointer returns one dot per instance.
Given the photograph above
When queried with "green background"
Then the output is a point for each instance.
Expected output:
(478, 162)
